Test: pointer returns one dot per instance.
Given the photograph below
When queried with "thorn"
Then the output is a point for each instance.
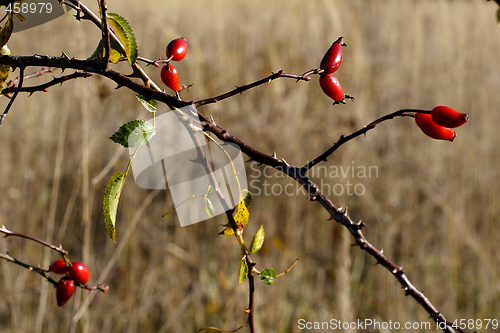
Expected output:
(63, 55)
(274, 155)
(382, 251)
(286, 163)
(212, 120)
(118, 86)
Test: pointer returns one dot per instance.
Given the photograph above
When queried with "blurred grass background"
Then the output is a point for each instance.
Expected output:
(433, 206)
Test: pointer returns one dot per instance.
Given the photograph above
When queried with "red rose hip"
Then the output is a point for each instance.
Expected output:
(64, 290)
(79, 272)
(333, 57)
(170, 77)
(447, 117)
(58, 267)
(430, 128)
(332, 88)
(177, 49)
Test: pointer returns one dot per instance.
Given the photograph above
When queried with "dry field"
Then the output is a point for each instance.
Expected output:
(433, 206)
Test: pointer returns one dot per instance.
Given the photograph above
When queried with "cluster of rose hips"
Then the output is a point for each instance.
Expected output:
(329, 64)
(437, 124)
(176, 51)
(75, 272)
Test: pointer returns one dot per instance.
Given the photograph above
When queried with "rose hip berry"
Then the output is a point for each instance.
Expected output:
(79, 272)
(332, 88)
(170, 77)
(333, 57)
(58, 267)
(177, 49)
(447, 117)
(433, 130)
(64, 290)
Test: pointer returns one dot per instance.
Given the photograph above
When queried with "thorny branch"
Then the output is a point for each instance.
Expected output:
(11, 87)
(297, 173)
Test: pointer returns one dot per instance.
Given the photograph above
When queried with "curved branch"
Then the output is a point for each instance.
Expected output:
(344, 139)
(241, 89)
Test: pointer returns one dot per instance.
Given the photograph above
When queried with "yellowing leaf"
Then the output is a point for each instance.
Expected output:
(126, 35)
(4, 69)
(114, 52)
(241, 214)
(6, 31)
(243, 271)
(209, 207)
(111, 199)
(257, 241)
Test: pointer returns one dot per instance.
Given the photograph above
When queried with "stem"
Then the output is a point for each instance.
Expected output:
(13, 233)
(21, 79)
(241, 89)
(370, 126)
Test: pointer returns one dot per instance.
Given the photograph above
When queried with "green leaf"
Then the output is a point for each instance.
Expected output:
(135, 133)
(243, 271)
(114, 52)
(268, 276)
(110, 202)
(126, 35)
(6, 31)
(4, 69)
(209, 207)
(257, 241)
(150, 105)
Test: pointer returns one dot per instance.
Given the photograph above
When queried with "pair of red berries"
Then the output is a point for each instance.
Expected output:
(329, 64)
(75, 272)
(176, 51)
(438, 124)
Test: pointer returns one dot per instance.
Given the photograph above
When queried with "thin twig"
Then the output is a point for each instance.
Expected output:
(370, 126)
(6, 111)
(8, 233)
(105, 32)
(45, 86)
(241, 89)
